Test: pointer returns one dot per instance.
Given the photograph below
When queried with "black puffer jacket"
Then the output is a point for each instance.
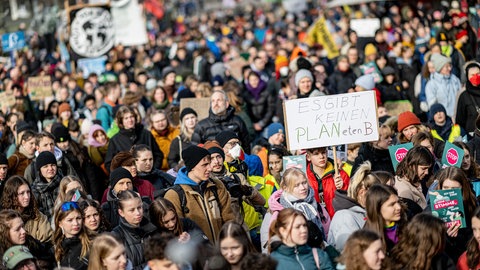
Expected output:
(126, 138)
(158, 178)
(466, 109)
(133, 238)
(260, 111)
(214, 124)
(380, 158)
(72, 248)
(340, 82)
(174, 154)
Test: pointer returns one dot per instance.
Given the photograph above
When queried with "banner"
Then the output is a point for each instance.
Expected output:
(128, 22)
(448, 206)
(320, 34)
(452, 155)
(398, 153)
(39, 87)
(365, 27)
(91, 31)
(13, 41)
(331, 120)
(92, 65)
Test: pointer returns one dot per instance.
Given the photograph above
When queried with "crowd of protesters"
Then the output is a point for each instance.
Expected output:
(110, 173)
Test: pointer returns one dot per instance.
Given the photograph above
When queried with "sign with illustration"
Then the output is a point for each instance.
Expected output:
(13, 41)
(398, 152)
(331, 120)
(299, 162)
(448, 206)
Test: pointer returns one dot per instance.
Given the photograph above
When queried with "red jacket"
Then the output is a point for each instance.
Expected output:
(144, 188)
(328, 184)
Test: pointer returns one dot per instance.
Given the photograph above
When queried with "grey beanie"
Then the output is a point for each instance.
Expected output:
(366, 81)
(302, 73)
(439, 61)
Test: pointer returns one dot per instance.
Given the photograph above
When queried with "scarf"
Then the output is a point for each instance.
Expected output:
(22, 150)
(307, 206)
(161, 106)
(257, 90)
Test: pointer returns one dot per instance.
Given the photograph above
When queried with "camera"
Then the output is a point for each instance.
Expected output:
(233, 186)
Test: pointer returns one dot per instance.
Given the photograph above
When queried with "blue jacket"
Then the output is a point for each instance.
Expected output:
(300, 257)
(442, 89)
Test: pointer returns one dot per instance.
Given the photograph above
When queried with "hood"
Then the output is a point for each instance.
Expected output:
(182, 178)
(222, 118)
(91, 140)
(56, 151)
(290, 251)
(341, 201)
(274, 201)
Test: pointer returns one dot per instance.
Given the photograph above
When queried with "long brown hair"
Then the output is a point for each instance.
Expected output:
(422, 239)
(417, 156)
(473, 247)
(10, 198)
(158, 209)
(285, 219)
(474, 170)
(237, 232)
(6, 216)
(352, 255)
(102, 246)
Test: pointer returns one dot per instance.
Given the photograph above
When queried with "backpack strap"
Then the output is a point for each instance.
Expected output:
(182, 198)
(315, 257)
(215, 193)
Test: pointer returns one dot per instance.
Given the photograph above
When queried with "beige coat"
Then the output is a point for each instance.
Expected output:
(409, 191)
(39, 228)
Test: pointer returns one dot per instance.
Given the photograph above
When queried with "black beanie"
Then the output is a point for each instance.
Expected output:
(192, 155)
(223, 137)
(22, 126)
(3, 159)
(45, 158)
(60, 132)
(186, 111)
(217, 150)
(118, 174)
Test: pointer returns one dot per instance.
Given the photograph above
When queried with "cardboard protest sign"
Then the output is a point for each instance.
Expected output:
(92, 65)
(39, 87)
(365, 27)
(7, 99)
(331, 120)
(13, 41)
(299, 162)
(398, 152)
(200, 105)
(448, 206)
(452, 155)
(128, 23)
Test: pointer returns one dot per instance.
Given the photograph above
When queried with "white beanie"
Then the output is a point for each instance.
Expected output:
(366, 81)
(302, 73)
(439, 61)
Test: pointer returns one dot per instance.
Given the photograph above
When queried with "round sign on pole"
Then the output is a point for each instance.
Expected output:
(400, 154)
(452, 156)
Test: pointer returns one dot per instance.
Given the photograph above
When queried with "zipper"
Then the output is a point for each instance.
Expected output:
(298, 258)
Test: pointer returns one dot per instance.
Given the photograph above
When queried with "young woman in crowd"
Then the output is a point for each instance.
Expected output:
(108, 253)
(98, 145)
(469, 166)
(68, 183)
(385, 214)
(408, 125)
(470, 259)
(275, 164)
(364, 250)
(93, 219)
(159, 100)
(350, 213)
(412, 172)
(144, 164)
(17, 196)
(297, 194)
(288, 243)
(71, 241)
(188, 122)
(234, 244)
(23, 156)
(133, 228)
(422, 246)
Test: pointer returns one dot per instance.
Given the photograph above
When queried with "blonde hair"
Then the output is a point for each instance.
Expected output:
(289, 177)
(363, 178)
(62, 189)
(102, 246)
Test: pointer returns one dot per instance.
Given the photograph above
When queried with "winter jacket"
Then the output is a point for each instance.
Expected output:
(327, 185)
(340, 82)
(63, 165)
(176, 149)
(448, 132)
(105, 115)
(300, 257)
(466, 108)
(125, 139)
(474, 144)
(379, 158)
(133, 238)
(408, 191)
(274, 208)
(39, 228)
(164, 141)
(203, 207)
(17, 163)
(260, 110)
(462, 263)
(72, 249)
(208, 128)
(349, 217)
(442, 89)
(159, 179)
(392, 92)
(46, 193)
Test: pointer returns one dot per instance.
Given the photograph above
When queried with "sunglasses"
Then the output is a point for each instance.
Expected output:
(67, 206)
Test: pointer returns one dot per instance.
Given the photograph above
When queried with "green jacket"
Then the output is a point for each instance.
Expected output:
(300, 257)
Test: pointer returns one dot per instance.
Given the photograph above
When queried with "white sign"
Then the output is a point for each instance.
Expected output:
(365, 27)
(129, 24)
(331, 120)
(92, 33)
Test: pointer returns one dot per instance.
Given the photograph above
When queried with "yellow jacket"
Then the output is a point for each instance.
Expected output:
(164, 143)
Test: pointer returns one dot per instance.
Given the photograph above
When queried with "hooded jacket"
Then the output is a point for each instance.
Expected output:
(443, 89)
(299, 257)
(466, 109)
(208, 128)
(201, 202)
(97, 151)
(349, 217)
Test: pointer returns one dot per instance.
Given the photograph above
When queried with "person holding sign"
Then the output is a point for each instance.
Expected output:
(323, 178)
(470, 259)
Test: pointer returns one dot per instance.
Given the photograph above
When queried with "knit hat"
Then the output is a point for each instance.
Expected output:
(461, 34)
(22, 126)
(437, 107)
(275, 128)
(167, 71)
(119, 174)
(150, 84)
(280, 61)
(439, 61)
(366, 81)
(15, 255)
(388, 70)
(406, 119)
(370, 49)
(3, 159)
(303, 63)
(214, 147)
(64, 107)
(60, 132)
(223, 137)
(302, 73)
(217, 81)
(186, 111)
(192, 155)
(45, 158)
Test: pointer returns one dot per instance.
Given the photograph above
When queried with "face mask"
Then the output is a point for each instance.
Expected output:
(475, 80)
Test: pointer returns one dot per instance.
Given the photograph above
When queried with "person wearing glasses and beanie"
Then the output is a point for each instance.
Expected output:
(205, 201)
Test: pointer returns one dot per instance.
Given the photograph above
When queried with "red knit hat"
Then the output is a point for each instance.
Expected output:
(64, 107)
(461, 34)
(406, 119)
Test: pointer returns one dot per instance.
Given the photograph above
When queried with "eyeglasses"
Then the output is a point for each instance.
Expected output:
(67, 206)
(232, 144)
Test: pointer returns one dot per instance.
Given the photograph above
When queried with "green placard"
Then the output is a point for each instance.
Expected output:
(452, 155)
(448, 206)
(299, 162)
(398, 152)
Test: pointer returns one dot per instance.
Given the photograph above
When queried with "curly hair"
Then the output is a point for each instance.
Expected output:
(419, 245)
(104, 224)
(6, 216)
(359, 241)
(10, 198)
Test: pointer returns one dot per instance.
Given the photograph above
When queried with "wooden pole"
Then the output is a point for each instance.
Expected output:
(335, 165)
